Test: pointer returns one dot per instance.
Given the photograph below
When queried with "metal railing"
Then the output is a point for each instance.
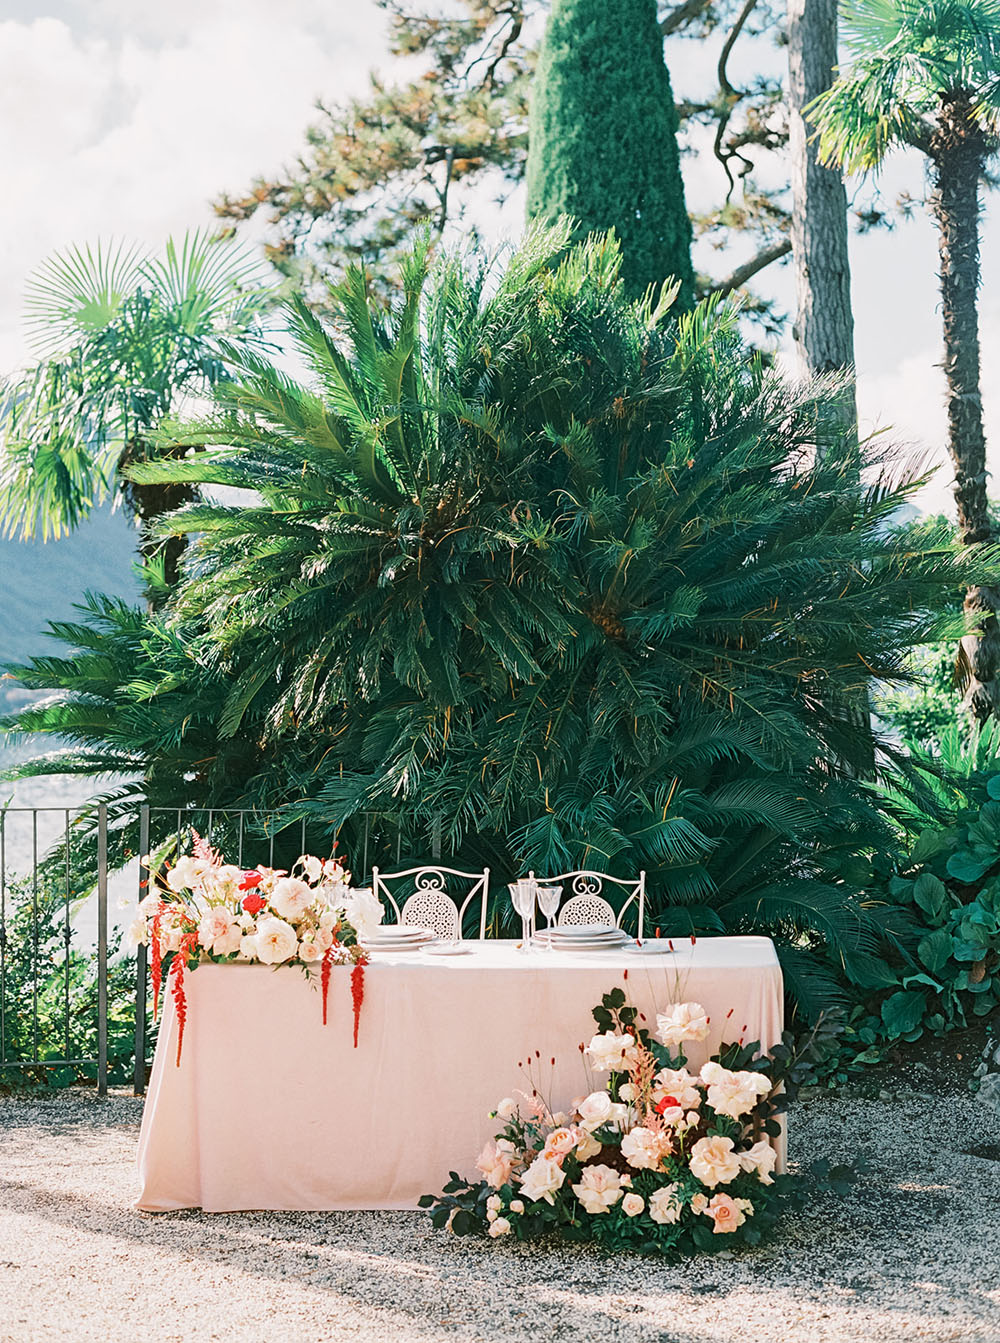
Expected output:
(24, 898)
(40, 866)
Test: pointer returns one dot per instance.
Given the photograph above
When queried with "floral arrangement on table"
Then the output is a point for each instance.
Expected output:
(203, 909)
(656, 1160)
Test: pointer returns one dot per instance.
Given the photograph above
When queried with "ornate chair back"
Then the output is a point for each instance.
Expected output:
(584, 901)
(429, 904)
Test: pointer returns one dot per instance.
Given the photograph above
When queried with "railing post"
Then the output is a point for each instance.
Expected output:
(139, 1070)
(102, 949)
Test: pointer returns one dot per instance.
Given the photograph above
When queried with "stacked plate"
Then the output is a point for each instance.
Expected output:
(582, 937)
(398, 937)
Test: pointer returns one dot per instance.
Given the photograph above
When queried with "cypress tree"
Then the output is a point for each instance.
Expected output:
(603, 142)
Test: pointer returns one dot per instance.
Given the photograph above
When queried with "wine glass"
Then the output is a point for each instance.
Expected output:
(548, 901)
(522, 896)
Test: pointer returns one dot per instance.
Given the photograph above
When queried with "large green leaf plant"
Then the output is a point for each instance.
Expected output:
(545, 571)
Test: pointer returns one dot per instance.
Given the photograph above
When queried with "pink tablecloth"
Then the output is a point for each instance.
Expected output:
(270, 1109)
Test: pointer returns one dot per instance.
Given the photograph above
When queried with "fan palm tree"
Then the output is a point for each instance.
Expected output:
(123, 340)
(925, 74)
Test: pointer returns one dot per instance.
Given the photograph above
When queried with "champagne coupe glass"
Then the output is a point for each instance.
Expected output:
(548, 901)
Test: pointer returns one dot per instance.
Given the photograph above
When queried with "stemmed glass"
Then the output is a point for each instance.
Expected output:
(548, 901)
(522, 896)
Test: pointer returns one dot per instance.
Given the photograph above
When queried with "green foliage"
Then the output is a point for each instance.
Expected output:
(49, 991)
(909, 57)
(604, 138)
(537, 562)
(121, 338)
(950, 888)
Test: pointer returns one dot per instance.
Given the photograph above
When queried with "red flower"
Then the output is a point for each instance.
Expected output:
(250, 880)
(253, 903)
(324, 977)
(357, 993)
(156, 963)
(667, 1102)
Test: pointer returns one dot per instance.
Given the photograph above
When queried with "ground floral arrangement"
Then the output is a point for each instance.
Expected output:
(658, 1160)
(203, 909)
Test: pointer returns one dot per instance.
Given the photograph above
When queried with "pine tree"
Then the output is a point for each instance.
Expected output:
(603, 140)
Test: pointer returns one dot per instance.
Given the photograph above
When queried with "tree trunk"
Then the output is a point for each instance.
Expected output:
(824, 323)
(958, 150)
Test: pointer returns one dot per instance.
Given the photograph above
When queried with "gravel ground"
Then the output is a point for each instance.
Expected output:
(912, 1253)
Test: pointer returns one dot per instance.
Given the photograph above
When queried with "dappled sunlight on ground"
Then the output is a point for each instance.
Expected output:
(910, 1254)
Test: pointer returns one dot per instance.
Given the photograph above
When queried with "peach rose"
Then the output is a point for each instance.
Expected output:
(733, 1094)
(633, 1204)
(611, 1052)
(725, 1213)
(713, 1161)
(678, 1084)
(558, 1143)
(495, 1164)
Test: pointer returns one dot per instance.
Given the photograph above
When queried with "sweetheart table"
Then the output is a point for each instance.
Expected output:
(270, 1109)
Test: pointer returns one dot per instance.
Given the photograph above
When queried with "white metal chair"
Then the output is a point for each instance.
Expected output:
(429, 904)
(584, 902)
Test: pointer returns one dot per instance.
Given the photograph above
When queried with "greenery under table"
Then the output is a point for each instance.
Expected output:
(269, 1108)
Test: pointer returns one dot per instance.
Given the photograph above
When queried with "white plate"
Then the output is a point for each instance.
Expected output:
(652, 946)
(406, 945)
(395, 932)
(449, 949)
(602, 945)
(587, 931)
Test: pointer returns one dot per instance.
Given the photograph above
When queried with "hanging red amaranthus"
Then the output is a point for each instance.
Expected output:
(324, 977)
(358, 992)
(177, 970)
(155, 963)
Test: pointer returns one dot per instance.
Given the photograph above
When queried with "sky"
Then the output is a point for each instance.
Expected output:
(126, 119)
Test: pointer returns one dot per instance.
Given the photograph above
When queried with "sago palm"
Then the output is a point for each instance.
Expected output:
(123, 340)
(537, 564)
(925, 74)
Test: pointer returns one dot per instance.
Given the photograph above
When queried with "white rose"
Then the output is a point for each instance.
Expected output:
(219, 932)
(516, 1205)
(599, 1189)
(363, 910)
(680, 1022)
(137, 935)
(248, 948)
(642, 1148)
(500, 1227)
(628, 1092)
(679, 1083)
(275, 941)
(507, 1108)
(664, 1205)
(291, 898)
(312, 868)
(494, 1203)
(542, 1179)
(733, 1094)
(713, 1161)
(633, 1204)
(761, 1158)
(611, 1052)
(598, 1109)
(310, 951)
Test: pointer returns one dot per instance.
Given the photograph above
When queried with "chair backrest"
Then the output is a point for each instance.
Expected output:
(583, 897)
(430, 904)
(583, 909)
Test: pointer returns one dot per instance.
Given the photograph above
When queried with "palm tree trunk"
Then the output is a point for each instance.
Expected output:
(958, 150)
(824, 322)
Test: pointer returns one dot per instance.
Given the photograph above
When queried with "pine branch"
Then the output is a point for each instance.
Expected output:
(739, 277)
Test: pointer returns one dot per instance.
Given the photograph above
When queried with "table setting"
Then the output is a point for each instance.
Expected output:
(363, 1069)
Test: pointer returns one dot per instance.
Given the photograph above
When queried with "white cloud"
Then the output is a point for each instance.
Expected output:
(130, 122)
